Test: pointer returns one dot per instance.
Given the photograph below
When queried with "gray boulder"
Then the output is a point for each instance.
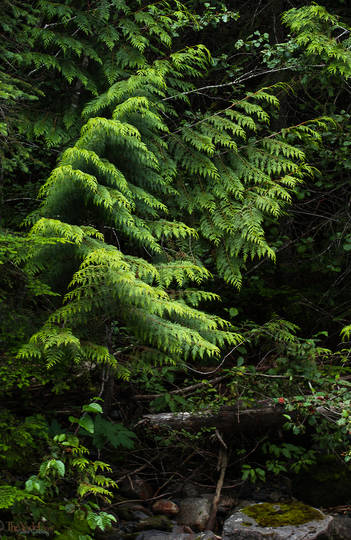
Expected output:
(159, 535)
(194, 512)
(341, 528)
(279, 521)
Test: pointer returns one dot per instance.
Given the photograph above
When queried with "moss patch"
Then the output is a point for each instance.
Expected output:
(282, 514)
(155, 522)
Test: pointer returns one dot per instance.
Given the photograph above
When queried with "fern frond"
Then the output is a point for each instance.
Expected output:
(9, 495)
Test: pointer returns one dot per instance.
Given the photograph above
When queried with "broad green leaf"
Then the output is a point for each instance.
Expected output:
(86, 422)
(93, 408)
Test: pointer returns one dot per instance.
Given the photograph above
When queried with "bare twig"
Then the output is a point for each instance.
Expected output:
(222, 466)
(20, 199)
(219, 437)
(219, 365)
(185, 390)
(138, 500)
(174, 474)
(127, 475)
(238, 80)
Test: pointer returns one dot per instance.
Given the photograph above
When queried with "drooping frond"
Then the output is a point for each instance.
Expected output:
(317, 32)
(116, 197)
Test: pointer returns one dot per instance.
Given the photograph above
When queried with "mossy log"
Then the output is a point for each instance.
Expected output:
(264, 415)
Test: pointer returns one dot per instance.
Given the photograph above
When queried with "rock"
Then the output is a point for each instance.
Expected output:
(180, 529)
(161, 523)
(136, 487)
(190, 490)
(154, 535)
(159, 535)
(194, 512)
(341, 528)
(138, 515)
(272, 491)
(281, 521)
(227, 503)
(129, 511)
(125, 514)
(164, 506)
(110, 535)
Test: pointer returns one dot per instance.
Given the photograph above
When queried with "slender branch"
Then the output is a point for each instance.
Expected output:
(173, 475)
(222, 465)
(137, 500)
(185, 390)
(20, 199)
(139, 469)
(238, 80)
(219, 366)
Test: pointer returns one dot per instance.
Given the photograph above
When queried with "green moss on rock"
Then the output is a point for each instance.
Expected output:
(282, 514)
(155, 522)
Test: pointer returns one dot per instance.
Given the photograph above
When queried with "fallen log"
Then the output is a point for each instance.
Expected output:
(264, 415)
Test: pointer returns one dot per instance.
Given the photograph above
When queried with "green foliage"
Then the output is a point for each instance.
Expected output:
(122, 196)
(172, 170)
(245, 186)
(171, 402)
(288, 457)
(48, 493)
(20, 439)
(9, 495)
(319, 33)
(346, 332)
(117, 435)
(103, 431)
(120, 169)
(52, 45)
(125, 163)
(253, 473)
(25, 302)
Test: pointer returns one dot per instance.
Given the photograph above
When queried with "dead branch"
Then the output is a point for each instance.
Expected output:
(222, 466)
(264, 415)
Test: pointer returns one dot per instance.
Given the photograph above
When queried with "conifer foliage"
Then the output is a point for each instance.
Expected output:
(79, 47)
(162, 188)
(108, 198)
(117, 175)
(323, 36)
